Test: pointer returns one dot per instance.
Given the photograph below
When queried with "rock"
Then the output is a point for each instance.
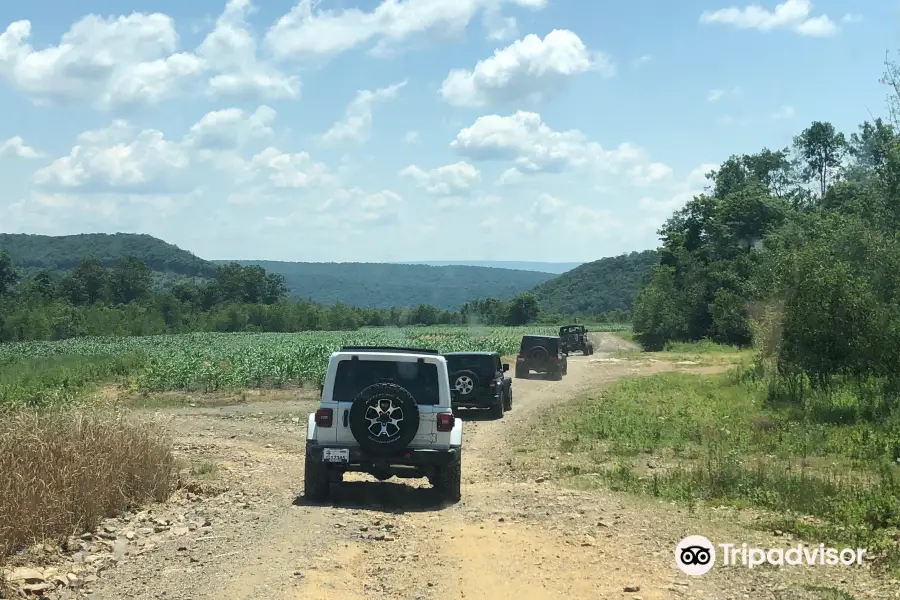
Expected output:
(631, 588)
(37, 588)
(540, 480)
(179, 531)
(25, 575)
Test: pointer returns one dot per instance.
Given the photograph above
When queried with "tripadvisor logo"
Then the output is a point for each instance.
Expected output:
(696, 555)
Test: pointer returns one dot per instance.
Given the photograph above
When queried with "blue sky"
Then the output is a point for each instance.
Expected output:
(362, 130)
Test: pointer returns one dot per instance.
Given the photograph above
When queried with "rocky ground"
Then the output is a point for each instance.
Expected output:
(242, 530)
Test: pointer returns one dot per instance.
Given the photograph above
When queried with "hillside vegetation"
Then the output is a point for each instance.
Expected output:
(93, 300)
(797, 251)
(382, 285)
(63, 253)
(602, 286)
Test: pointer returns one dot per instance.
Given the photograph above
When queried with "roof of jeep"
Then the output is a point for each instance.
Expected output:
(388, 350)
(478, 353)
(541, 337)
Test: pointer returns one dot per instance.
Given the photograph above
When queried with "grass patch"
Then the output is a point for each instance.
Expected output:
(204, 469)
(627, 335)
(55, 381)
(694, 439)
(63, 471)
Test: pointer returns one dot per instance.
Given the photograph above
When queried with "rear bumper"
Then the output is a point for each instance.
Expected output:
(360, 460)
(478, 401)
(546, 367)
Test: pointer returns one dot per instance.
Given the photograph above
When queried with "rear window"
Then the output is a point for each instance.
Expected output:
(530, 342)
(479, 363)
(420, 379)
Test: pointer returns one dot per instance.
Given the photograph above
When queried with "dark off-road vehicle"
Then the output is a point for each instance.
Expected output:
(575, 337)
(479, 380)
(542, 354)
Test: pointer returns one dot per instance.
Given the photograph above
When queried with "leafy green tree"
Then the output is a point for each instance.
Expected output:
(822, 149)
(522, 309)
(9, 274)
(128, 281)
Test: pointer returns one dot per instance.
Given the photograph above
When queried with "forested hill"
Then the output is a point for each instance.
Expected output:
(598, 287)
(63, 253)
(382, 285)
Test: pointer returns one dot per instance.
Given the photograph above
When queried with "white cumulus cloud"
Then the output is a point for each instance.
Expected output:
(307, 31)
(458, 178)
(230, 128)
(524, 139)
(118, 157)
(15, 146)
(530, 68)
(357, 123)
(793, 14)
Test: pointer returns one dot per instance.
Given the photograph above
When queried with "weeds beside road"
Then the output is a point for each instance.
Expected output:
(719, 440)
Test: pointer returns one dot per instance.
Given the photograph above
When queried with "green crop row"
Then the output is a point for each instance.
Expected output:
(39, 372)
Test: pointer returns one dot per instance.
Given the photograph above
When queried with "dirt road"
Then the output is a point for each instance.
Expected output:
(514, 535)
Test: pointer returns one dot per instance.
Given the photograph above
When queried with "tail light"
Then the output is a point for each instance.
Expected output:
(324, 417)
(493, 384)
(445, 421)
(554, 358)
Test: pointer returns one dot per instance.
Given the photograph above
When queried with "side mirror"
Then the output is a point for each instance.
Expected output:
(505, 367)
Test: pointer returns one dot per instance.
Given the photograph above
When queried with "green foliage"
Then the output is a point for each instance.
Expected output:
(95, 301)
(381, 285)
(608, 284)
(798, 251)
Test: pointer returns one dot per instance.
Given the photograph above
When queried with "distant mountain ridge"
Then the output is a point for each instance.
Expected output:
(383, 285)
(516, 265)
(597, 287)
(589, 288)
(63, 252)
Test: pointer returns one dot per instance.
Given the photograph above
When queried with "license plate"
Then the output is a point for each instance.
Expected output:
(336, 455)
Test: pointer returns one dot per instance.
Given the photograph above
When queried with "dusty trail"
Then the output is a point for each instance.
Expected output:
(514, 535)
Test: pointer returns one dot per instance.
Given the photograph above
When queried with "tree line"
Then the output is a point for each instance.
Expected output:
(795, 249)
(123, 299)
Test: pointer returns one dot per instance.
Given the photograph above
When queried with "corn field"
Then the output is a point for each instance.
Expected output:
(223, 361)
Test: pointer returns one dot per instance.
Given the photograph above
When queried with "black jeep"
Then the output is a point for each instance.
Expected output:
(574, 337)
(543, 354)
(479, 381)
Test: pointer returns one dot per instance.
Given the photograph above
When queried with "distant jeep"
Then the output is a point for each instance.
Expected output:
(543, 354)
(574, 337)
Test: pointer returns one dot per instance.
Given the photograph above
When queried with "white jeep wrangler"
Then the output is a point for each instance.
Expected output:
(384, 411)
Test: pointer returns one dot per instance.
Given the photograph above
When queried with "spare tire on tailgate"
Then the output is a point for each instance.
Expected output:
(384, 418)
(538, 354)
